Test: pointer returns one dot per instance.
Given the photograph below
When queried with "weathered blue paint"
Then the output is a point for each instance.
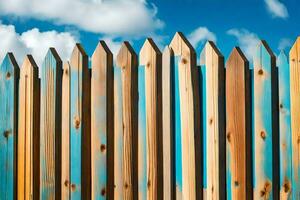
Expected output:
(203, 121)
(9, 73)
(263, 133)
(285, 122)
(78, 68)
(177, 129)
(142, 169)
(50, 110)
(119, 139)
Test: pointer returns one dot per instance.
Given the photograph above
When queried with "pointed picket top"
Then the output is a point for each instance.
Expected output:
(263, 51)
(126, 54)
(101, 50)
(28, 66)
(210, 49)
(282, 59)
(51, 55)
(236, 54)
(9, 62)
(147, 52)
(294, 51)
(77, 54)
(180, 45)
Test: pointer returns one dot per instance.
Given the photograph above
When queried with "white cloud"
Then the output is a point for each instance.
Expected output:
(248, 41)
(201, 35)
(284, 43)
(34, 42)
(109, 17)
(114, 45)
(277, 9)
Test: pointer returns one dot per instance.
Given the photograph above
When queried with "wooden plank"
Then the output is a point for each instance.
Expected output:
(187, 120)
(127, 61)
(285, 127)
(9, 78)
(65, 137)
(295, 115)
(102, 122)
(167, 125)
(80, 136)
(265, 124)
(149, 144)
(238, 135)
(213, 61)
(28, 132)
(50, 126)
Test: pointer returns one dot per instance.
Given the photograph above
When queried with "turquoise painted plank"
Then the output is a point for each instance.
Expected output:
(203, 121)
(285, 126)
(78, 125)
(177, 128)
(9, 75)
(50, 126)
(265, 120)
(119, 139)
(142, 134)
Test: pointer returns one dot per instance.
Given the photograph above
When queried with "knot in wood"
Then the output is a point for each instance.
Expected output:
(265, 192)
(260, 71)
(76, 122)
(66, 71)
(281, 106)
(286, 186)
(102, 147)
(126, 185)
(73, 187)
(184, 60)
(228, 136)
(263, 135)
(66, 183)
(103, 192)
(8, 75)
(6, 133)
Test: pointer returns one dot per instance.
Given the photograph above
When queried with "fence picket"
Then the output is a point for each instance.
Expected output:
(213, 61)
(285, 126)
(126, 123)
(265, 124)
(295, 116)
(238, 135)
(168, 124)
(9, 78)
(186, 120)
(149, 90)
(50, 126)
(28, 131)
(80, 138)
(65, 138)
(102, 122)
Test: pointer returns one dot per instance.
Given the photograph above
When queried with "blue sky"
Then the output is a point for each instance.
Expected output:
(31, 26)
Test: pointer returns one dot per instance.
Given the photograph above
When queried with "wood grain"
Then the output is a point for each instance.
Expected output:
(213, 61)
(9, 78)
(265, 124)
(238, 135)
(50, 126)
(28, 132)
(188, 136)
(295, 116)
(102, 122)
(127, 61)
(80, 135)
(65, 137)
(167, 125)
(285, 127)
(150, 161)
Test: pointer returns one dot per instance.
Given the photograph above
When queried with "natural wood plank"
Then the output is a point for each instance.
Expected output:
(238, 135)
(127, 61)
(285, 127)
(80, 135)
(167, 125)
(213, 61)
(149, 144)
(28, 132)
(9, 78)
(50, 126)
(65, 137)
(265, 124)
(295, 116)
(102, 123)
(187, 120)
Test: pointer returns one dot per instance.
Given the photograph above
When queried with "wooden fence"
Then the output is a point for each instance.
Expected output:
(160, 127)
